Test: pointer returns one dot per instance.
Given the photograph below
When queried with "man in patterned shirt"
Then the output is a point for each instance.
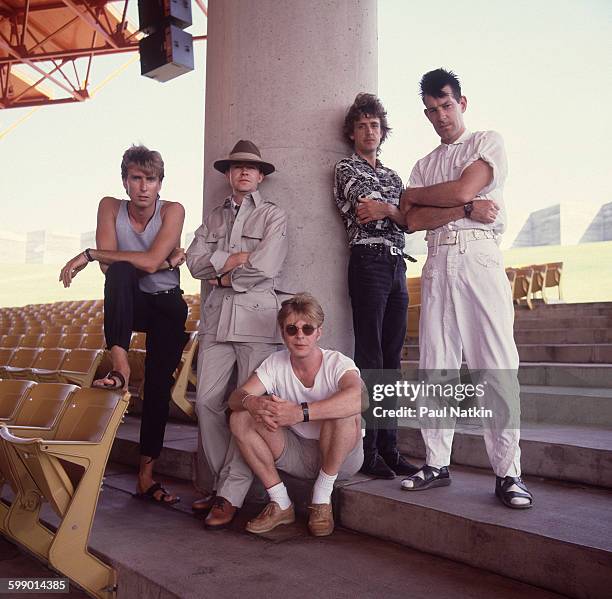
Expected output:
(367, 195)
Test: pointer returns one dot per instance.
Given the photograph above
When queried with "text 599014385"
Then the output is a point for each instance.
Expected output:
(34, 585)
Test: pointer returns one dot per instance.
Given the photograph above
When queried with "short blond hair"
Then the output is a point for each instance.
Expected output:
(303, 304)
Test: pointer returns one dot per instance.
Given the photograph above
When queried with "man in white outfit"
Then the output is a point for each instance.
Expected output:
(455, 193)
(300, 413)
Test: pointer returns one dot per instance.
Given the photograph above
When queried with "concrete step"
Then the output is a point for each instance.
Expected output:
(556, 336)
(564, 543)
(167, 554)
(566, 405)
(178, 455)
(545, 373)
(581, 353)
(573, 453)
(542, 310)
(550, 322)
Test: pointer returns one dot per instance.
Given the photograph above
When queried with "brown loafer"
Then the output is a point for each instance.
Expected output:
(321, 521)
(199, 506)
(271, 517)
(221, 514)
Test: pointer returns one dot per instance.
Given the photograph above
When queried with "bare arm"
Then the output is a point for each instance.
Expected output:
(166, 240)
(154, 259)
(426, 218)
(452, 193)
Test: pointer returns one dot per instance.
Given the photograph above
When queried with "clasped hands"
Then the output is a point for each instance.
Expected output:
(233, 261)
(273, 411)
(370, 209)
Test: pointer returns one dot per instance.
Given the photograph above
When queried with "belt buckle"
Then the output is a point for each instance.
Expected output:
(395, 251)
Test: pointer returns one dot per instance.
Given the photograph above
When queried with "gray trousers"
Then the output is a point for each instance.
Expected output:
(216, 361)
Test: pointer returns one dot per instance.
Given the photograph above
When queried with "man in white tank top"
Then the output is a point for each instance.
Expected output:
(138, 250)
(300, 412)
(456, 194)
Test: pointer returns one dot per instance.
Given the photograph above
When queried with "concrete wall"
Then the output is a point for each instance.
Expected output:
(283, 74)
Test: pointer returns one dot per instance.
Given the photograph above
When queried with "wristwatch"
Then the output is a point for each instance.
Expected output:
(305, 411)
(467, 209)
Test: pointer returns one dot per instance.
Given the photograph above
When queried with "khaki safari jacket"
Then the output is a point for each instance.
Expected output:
(247, 310)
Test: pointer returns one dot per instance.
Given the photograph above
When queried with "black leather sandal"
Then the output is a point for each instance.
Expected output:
(502, 486)
(432, 477)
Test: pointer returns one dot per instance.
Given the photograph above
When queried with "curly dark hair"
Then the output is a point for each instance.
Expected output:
(148, 160)
(365, 105)
(433, 82)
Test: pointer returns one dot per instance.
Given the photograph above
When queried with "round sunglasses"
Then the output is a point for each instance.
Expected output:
(307, 329)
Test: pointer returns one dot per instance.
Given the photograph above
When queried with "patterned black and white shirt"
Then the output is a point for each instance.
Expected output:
(354, 178)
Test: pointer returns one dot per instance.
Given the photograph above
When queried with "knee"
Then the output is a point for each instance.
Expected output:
(241, 422)
(341, 425)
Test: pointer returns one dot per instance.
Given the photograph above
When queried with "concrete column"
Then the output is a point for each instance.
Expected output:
(283, 73)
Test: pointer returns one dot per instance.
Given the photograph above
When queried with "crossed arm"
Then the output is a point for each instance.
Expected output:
(162, 254)
(426, 208)
(276, 412)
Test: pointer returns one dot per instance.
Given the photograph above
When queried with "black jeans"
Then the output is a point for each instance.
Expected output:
(162, 317)
(377, 287)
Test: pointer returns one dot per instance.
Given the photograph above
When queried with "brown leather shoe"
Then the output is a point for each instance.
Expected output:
(221, 514)
(321, 521)
(199, 506)
(271, 517)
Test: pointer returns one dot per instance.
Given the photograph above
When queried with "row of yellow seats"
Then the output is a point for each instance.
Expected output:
(76, 366)
(55, 440)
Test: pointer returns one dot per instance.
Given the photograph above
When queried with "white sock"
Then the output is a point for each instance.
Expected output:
(278, 494)
(323, 487)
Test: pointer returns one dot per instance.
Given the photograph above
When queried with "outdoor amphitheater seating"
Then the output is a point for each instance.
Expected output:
(554, 271)
(80, 367)
(11, 395)
(22, 357)
(65, 470)
(47, 363)
(183, 376)
(71, 340)
(414, 306)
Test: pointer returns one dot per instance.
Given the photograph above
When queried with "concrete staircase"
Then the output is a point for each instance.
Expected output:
(453, 542)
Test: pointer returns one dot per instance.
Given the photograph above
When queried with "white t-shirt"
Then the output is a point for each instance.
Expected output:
(448, 161)
(277, 376)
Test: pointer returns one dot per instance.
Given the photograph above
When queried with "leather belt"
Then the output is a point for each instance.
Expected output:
(173, 291)
(453, 237)
(382, 248)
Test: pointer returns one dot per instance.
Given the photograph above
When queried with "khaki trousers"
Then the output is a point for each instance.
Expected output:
(216, 362)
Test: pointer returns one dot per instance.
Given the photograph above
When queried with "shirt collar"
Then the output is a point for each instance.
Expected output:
(461, 139)
(255, 197)
(359, 158)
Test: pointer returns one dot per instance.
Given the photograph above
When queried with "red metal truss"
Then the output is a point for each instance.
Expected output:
(47, 47)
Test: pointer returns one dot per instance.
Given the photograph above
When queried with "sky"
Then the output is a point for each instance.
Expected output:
(537, 71)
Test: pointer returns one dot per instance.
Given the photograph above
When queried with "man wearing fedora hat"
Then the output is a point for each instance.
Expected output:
(239, 251)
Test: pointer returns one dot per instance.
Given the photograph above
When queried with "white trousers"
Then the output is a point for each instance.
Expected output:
(467, 307)
(216, 362)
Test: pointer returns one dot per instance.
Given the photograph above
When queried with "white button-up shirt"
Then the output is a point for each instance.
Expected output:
(448, 161)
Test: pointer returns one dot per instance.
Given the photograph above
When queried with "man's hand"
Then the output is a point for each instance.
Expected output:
(484, 211)
(235, 260)
(74, 266)
(259, 406)
(176, 257)
(370, 209)
(287, 413)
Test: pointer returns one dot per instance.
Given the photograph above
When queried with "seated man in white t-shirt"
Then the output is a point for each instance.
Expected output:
(300, 412)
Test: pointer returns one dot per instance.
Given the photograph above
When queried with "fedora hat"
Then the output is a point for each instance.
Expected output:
(244, 151)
